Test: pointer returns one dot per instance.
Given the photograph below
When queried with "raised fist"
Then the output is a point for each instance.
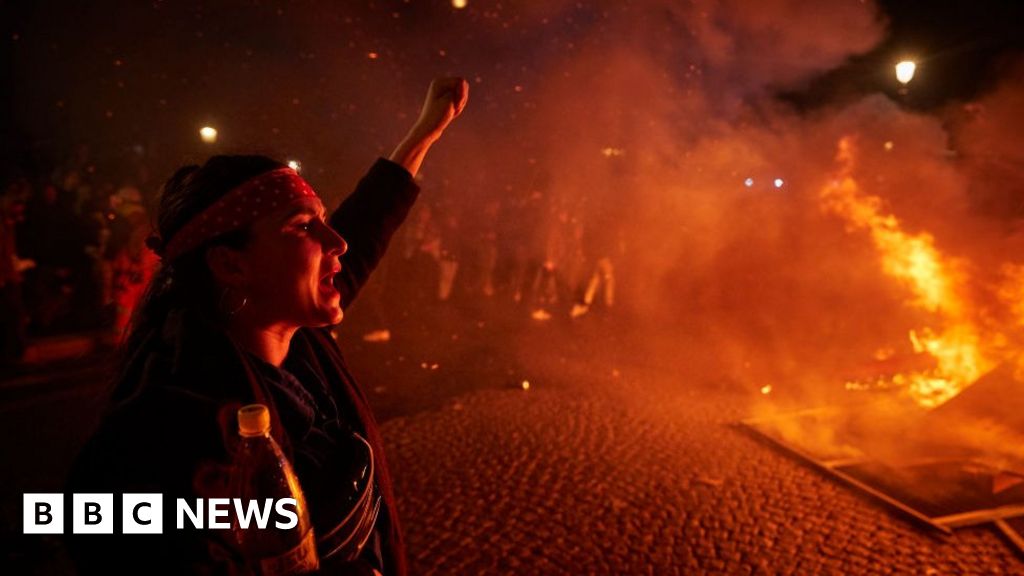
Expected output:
(446, 98)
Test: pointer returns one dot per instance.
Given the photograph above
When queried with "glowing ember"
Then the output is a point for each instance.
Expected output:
(932, 279)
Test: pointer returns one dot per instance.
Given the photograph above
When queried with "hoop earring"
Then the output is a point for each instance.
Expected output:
(223, 296)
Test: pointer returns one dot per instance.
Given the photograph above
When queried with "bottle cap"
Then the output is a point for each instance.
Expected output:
(253, 420)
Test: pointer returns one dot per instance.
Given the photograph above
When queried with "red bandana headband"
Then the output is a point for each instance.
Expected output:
(247, 203)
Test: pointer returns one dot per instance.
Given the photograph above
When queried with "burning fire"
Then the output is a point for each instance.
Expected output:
(934, 281)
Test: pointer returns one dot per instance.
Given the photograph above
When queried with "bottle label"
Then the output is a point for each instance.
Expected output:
(299, 560)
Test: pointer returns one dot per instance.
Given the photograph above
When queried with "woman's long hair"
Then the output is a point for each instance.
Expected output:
(186, 283)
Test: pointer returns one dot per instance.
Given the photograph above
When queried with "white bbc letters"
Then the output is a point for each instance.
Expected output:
(184, 509)
(253, 511)
(290, 514)
(92, 514)
(43, 513)
(219, 508)
(142, 514)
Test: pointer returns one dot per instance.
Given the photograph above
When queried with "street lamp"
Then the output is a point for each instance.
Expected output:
(208, 134)
(905, 73)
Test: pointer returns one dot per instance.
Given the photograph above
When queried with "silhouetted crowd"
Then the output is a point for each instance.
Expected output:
(528, 254)
(72, 253)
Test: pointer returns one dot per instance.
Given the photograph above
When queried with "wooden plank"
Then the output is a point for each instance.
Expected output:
(851, 461)
(980, 516)
(871, 491)
(1012, 535)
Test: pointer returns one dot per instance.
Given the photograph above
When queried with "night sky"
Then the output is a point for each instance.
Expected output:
(962, 49)
(334, 83)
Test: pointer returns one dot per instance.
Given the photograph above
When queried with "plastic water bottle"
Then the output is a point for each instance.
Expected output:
(262, 477)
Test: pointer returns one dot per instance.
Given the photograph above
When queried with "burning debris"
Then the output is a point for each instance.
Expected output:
(953, 466)
(943, 445)
(962, 349)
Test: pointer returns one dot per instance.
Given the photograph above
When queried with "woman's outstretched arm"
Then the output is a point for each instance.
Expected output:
(369, 217)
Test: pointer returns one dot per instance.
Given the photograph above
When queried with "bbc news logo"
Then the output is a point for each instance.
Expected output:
(143, 513)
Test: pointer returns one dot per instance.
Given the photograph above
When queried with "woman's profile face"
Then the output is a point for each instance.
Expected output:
(291, 261)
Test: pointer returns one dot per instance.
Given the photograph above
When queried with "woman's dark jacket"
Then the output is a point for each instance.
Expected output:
(172, 419)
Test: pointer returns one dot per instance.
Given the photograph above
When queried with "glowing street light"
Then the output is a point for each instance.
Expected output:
(459, 4)
(905, 71)
(208, 134)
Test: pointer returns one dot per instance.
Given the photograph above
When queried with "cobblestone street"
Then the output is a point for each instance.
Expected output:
(627, 473)
(618, 459)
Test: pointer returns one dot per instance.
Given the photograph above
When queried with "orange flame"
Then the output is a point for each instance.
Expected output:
(933, 280)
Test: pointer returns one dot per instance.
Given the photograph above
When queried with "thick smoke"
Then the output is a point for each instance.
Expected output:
(662, 115)
(683, 97)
